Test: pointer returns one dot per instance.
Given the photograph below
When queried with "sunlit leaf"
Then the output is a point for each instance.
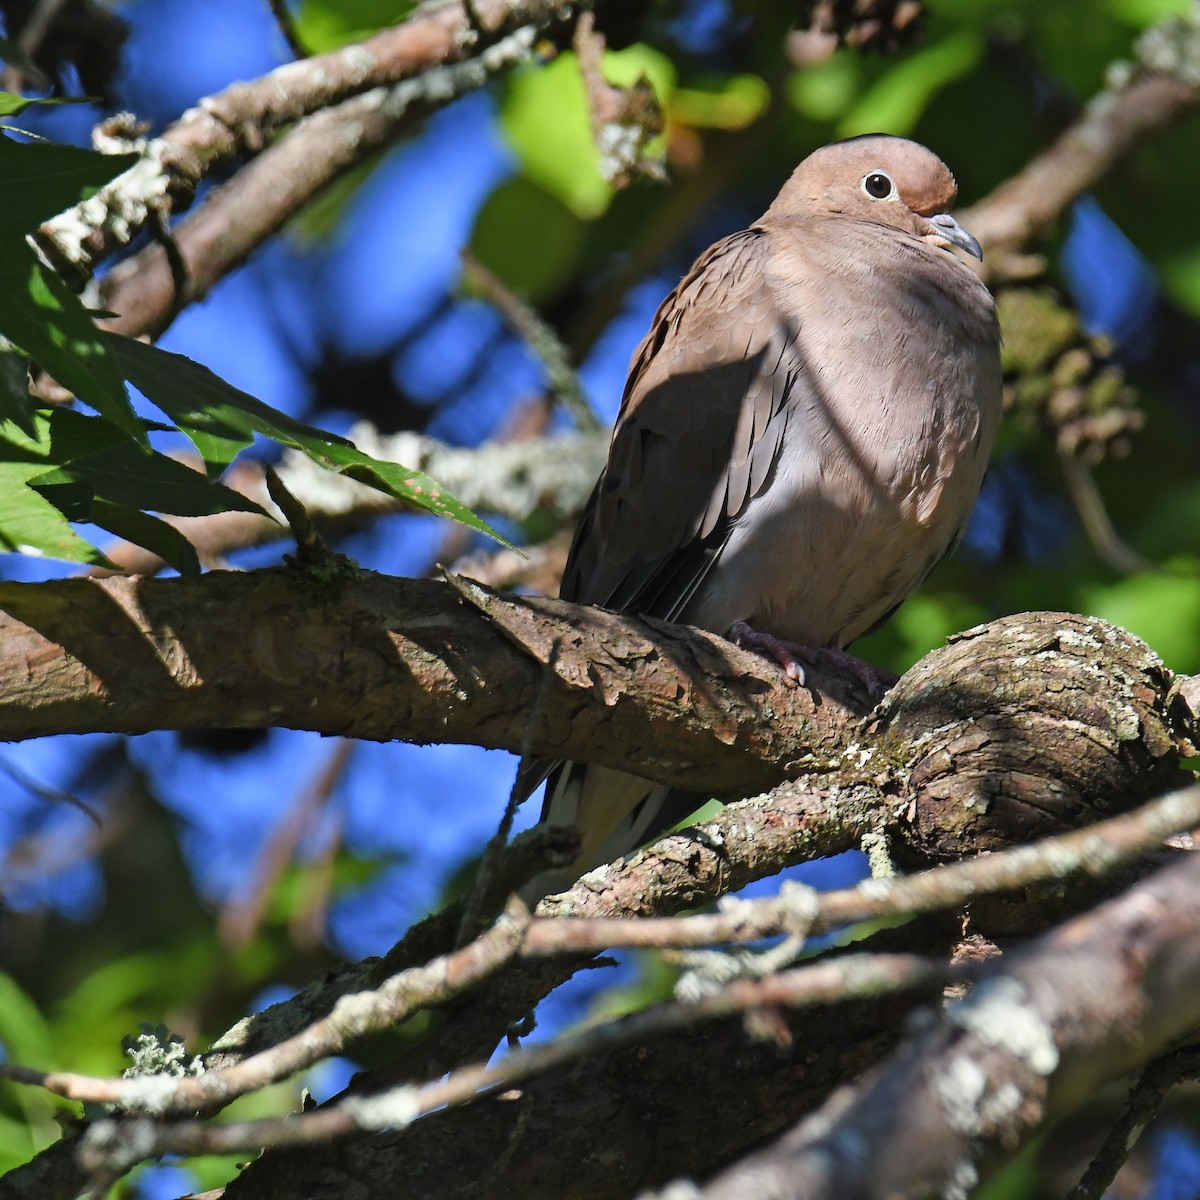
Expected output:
(1163, 610)
(221, 420)
(824, 91)
(30, 524)
(528, 239)
(1143, 13)
(727, 102)
(896, 101)
(326, 24)
(545, 118)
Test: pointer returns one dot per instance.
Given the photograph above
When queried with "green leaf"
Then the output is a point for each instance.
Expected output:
(30, 524)
(897, 100)
(40, 179)
(12, 104)
(1142, 13)
(220, 419)
(721, 102)
(326, 24)
(41, 316)
(74, 467)
(39, 313)
(545, 119)
(126, 476)
(824, 91)
(144, 530)
(528, 239)
(58, 436)
(23, 1031)
(1162, 609)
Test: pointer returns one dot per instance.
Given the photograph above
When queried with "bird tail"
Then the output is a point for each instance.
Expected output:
(615, 812)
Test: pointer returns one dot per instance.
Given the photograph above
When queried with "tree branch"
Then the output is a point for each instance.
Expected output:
(240, 119)
(1136, 103)
(239, 216)
(1035, 1037)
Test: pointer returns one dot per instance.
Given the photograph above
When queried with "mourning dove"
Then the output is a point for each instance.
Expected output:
(802, 437)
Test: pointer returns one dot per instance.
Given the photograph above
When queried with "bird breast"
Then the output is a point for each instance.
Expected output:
(894, 398)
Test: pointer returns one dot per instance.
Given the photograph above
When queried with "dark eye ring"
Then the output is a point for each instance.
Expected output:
(878, 186)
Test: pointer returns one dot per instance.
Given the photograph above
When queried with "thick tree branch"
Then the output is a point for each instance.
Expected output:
(372, 657)
(377, 658)
(1081, 702)
(1038, 1035)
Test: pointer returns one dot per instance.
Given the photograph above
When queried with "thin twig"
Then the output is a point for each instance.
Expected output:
(1135, 104)
(238, 921)
(48, 794)
(1110, 547)
(1096, 851)
(310, 546)
(287, 27)
(541, 339)
(119, 1145)
(1145, 1099)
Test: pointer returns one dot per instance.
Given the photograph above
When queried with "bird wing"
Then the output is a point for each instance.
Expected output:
(698, 435)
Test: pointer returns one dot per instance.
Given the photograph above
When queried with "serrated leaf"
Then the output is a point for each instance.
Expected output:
(221, 419)
(149, 532)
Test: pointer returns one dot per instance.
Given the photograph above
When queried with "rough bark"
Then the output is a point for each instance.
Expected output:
(1025, 726)
(1037, 1036)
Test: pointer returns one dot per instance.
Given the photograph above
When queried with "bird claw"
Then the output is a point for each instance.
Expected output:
(789, 655)
(792, 657)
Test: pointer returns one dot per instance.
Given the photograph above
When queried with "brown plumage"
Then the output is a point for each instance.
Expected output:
(802, 436)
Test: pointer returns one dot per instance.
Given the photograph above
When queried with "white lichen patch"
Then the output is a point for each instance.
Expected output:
(390, 1110)
(149, 1094)
(120, 208)
(999, 1013)
(1079, 639)
(963, 1181)
(959, 1086)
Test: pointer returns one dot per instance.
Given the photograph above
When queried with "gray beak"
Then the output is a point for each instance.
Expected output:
(947, 227)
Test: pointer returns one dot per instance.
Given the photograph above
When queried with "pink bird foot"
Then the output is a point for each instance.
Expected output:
(792, 657)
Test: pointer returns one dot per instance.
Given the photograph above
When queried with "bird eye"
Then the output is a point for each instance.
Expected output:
(878, 186)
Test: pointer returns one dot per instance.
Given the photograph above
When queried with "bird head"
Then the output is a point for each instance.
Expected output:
(881, 179)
